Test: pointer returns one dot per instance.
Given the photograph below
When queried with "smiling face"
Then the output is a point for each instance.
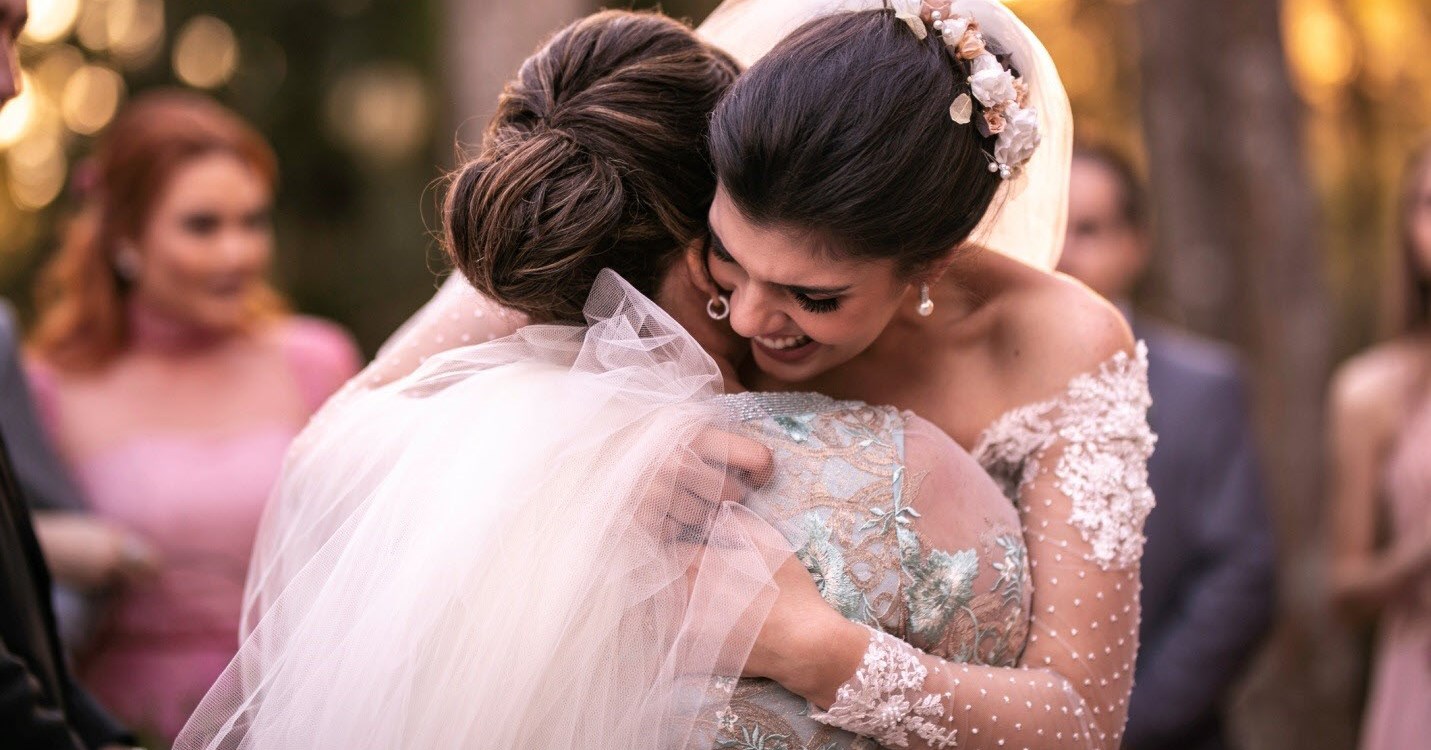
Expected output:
(207, 244)
(804, 310)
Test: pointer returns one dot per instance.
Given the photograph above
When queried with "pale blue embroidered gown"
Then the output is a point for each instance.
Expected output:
(902, 531)
(999, 616)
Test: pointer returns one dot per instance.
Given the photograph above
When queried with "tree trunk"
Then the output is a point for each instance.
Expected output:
(1239, 235)
(486, 42)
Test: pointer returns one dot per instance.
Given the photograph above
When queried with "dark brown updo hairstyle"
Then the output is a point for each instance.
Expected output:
(596, 158)
(843, 131)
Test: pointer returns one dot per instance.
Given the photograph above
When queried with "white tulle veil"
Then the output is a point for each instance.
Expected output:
(511, 547)
(1031, 211)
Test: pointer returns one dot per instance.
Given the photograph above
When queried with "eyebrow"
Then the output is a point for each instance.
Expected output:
(808, 291)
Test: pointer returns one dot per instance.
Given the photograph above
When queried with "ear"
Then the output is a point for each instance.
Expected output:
(696, 268)
(936, 270)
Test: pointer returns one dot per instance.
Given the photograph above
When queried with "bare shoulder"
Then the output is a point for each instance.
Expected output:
(1371, 388)
(1052, 329)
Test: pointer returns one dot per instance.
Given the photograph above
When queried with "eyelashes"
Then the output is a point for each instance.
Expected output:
(817, 306)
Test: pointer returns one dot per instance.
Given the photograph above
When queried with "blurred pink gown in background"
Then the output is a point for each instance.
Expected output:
(185, 454)
(1398, 714)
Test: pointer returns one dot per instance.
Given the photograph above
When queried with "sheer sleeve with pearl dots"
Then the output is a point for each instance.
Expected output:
(1076, 466)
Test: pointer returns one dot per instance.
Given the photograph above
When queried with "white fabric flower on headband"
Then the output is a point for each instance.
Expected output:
(1020, 137)
(993, 86)
(1002, 95)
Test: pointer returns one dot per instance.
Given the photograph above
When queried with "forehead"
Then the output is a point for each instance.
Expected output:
(783, 256)
(216, 179)
(1095, 187)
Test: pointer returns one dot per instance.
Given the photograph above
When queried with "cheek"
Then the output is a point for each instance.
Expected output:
(1421, 238)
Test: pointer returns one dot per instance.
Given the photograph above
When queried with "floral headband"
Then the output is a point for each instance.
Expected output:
(1003, 96)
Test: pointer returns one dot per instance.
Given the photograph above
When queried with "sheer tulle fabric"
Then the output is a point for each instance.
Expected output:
(1031, 210)
(512, 547)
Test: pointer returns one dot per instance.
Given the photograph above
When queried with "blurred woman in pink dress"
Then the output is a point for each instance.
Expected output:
(172, 378)
(1381, 438)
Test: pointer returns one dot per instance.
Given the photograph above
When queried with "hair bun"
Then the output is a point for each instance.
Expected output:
(595, 159)
(527, 216)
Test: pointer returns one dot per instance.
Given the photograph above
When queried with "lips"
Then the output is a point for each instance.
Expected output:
(784, 349)
(780, 343)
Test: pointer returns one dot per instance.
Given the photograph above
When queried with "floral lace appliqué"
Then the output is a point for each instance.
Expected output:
(1101, 419)
(876, 702)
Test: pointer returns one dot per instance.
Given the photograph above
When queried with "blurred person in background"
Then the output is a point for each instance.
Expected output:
(1381, 493)
(41, 705)
(1208, 568)
(172, 379)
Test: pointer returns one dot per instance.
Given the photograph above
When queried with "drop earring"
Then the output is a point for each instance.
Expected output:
(126, 262)
(718, 307)
(926, 305)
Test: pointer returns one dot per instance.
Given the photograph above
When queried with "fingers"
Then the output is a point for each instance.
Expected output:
(738, 453)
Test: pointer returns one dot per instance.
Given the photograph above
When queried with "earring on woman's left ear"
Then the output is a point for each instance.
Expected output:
(926, 305)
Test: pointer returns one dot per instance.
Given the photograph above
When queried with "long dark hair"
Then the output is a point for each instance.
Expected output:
(843, 131)
(595, 159)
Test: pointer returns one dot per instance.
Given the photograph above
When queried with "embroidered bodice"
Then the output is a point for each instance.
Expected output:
(902, 532)
(1076, 468)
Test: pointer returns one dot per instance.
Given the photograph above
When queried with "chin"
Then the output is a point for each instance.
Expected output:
(224, 320)
(790, 372)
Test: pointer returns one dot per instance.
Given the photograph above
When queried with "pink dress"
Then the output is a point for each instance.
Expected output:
(1399, 712)
(182, 444)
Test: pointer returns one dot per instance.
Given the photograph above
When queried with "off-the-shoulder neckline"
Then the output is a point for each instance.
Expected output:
(1107, 368)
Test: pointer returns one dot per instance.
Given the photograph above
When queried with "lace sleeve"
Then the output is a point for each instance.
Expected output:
(1078, 468)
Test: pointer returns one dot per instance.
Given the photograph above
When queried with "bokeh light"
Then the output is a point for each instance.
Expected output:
(90, 99)
(136, 31)
(37, 167)
(50, 20)
(205, 53)
(19, 114)
(380, 110)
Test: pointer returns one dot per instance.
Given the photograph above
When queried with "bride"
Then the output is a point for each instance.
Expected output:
(890, 559)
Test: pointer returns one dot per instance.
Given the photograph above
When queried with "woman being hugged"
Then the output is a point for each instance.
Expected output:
(173, 378)
(1381, 503)
(857, 160)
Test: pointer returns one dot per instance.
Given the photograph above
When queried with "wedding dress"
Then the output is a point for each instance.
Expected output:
(498, 551)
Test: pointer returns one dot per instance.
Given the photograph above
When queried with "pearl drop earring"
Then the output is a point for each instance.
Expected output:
(926, 305)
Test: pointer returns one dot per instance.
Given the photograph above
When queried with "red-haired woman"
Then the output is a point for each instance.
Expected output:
(173, 379)
(1381, 502)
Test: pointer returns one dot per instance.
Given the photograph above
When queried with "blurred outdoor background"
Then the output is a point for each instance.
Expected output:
(1273, 134)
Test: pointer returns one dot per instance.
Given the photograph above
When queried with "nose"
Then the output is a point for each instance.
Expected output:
(9, 73)
(753, 313)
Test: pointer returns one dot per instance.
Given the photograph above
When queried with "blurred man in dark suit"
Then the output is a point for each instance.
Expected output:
(1209, 563)
(41, 707)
